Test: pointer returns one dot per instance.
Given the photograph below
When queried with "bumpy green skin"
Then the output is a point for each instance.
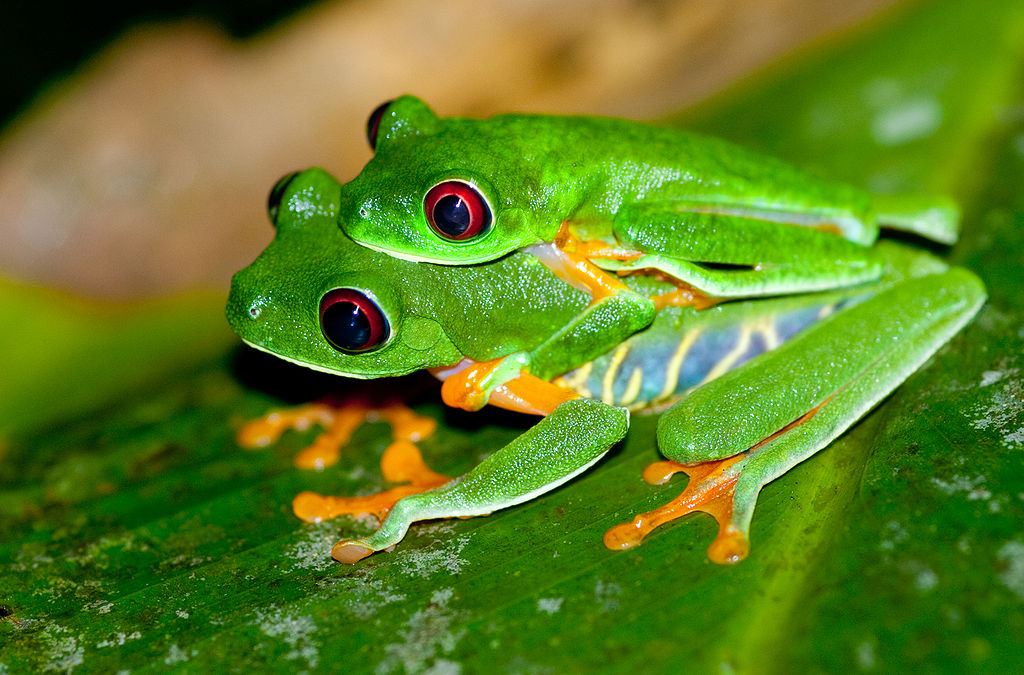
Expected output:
(839, 367)
(435, 313)
(653, 189)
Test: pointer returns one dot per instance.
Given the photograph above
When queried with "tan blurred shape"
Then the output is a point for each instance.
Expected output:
(147, 170)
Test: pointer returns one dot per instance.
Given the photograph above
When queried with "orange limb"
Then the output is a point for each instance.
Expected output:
(711, 490)
(708, 490)
(466, 388)
(592, 248)
(685, 295)
(402, 462)
(262, 432)
(569, 259)
(339, 424)
(830, 228)
(531, 395)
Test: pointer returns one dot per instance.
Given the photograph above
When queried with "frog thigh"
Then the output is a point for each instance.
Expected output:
(729, 255)
(783, 406)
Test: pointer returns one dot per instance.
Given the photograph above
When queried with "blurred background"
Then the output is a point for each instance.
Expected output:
(138, 145)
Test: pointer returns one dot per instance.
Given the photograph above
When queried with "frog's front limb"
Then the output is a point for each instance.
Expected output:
(753, 424)
(563, 444)
(733, 255)
(614, 313)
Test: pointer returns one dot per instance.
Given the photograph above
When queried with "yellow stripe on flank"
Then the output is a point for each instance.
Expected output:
(676, 362)
(607, 394)
(636, 378)
(826, 310)
(766, 327)
(729, 360)
(577, 380)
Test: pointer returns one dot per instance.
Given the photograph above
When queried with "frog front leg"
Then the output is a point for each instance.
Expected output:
(753, 424)
(566, 442)
(614, 314)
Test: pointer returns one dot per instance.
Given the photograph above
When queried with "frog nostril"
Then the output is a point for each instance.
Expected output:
(254, 312)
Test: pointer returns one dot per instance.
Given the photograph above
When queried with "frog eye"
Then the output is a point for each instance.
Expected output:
(276, 193)
(351, 321)
(456, 210)
(373, 124)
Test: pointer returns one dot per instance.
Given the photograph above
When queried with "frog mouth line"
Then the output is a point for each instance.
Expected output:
(321, 369)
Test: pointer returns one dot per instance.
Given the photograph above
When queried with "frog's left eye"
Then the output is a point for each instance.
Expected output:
(457, 211)
(352, 322)
(276, 194)
(373, 123)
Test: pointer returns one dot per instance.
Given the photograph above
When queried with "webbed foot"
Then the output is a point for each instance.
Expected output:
(711, 489)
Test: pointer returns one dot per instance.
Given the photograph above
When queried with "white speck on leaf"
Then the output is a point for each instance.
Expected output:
(924, 577)
(175, 655)
(427, 632)
(957, 483)
(607, 595)
(894, 534)
(312, 549)
(295, 631)
(990, 377)
(1011, 555)
(549, 605)
(64, 653)
(119, 639)
(445, 557)
(906, 121)
(866, 656)
(1005, 411)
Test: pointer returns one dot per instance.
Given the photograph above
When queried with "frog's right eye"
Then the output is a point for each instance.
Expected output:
(352, 322)
(276, 194)
(457, 211)
(373, 124)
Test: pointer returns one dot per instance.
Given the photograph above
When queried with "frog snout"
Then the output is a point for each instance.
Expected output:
(243, 306)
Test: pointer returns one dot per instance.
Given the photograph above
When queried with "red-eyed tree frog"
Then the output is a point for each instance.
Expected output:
(745, 389)
(592, 196)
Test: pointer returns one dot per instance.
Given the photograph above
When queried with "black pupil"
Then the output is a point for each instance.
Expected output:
(346, 325)
(451, 214)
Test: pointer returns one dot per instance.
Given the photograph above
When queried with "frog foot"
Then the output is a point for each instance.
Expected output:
(339, 422)
(401, 463)
(711, 489)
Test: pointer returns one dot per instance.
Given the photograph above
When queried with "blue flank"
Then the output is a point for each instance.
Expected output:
(652, 351)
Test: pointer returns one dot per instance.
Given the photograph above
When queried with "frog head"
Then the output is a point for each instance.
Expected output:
(316, 298)
(439, 189)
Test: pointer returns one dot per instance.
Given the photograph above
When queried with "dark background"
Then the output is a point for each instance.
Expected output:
(40, 42)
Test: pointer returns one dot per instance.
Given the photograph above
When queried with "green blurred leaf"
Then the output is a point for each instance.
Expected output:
(141, 537)
(61, 354)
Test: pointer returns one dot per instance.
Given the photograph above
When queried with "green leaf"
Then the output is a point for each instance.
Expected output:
(140, 537)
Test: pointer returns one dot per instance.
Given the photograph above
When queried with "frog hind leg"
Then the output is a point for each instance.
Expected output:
(933, 217)
(734, 254)
(746, 433)
(562, 445)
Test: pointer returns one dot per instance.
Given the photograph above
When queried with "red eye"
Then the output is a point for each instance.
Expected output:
(351, 321)
(373, 124)
(456, 210)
